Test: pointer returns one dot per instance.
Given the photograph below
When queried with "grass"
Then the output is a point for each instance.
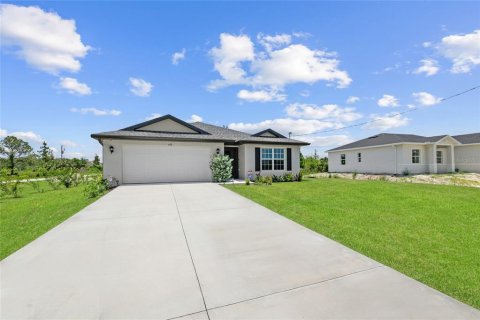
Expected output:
(428, 232)
(24, 219)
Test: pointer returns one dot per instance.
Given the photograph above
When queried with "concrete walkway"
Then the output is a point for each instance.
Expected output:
(199, 251)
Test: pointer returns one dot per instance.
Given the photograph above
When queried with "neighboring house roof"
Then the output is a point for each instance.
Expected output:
(395, 138)
(468, 138)
(268, 131)
(203, 132)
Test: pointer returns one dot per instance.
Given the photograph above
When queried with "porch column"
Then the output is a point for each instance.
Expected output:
(452, 155)
(434, 158)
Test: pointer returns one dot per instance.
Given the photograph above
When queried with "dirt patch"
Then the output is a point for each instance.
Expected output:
(456, 179)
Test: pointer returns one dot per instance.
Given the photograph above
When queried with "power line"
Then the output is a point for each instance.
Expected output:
(390, 116)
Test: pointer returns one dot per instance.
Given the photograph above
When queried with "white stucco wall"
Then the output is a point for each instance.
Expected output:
(467, 158)
(113, 162)
(405, 159)
(247, 154)
(377, 160)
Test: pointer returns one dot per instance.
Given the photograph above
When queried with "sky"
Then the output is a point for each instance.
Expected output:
(312, 69)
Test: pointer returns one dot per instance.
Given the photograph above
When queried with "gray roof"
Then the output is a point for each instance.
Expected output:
(206, 133)
(393, 138)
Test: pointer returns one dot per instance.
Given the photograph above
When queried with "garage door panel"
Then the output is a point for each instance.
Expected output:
(148, 164)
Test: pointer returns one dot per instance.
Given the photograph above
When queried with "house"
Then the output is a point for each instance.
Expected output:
(389, 153)
(167, 149)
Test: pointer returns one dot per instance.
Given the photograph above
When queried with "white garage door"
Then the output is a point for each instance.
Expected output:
(151, 163)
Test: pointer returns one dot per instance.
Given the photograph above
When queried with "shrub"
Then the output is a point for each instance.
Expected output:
(36, 185)
(382, 178)
(298, 177)
(288, 177)
(95, 187)
(405, 172)
(11, 188)
(354, 175)
(247, 181)
(221, 167)
(268, 180)
(54, 183)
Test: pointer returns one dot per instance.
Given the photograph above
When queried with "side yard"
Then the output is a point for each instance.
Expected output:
(428, 232)
(25, 218)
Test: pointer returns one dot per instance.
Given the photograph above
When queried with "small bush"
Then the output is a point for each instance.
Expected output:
(268, 180)
(354, 175)
(11, 188)
(95, 187)
(247, 181)
(335, 176)
(288, 177)
(221, 167)
(259, 179)
(298, 177)
(54, 183)
(405, 172)
(382, 178)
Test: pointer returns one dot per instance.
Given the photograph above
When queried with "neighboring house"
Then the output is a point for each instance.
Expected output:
(167, 149)
(388, 153)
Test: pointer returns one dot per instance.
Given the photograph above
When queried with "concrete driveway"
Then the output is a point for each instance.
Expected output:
(199, 251)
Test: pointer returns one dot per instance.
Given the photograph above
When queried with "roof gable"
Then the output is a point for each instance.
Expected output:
(449, 140)
(268, 133)
(167, 124)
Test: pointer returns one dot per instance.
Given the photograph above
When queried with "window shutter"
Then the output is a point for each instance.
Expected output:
(289, 159)
(257, 159)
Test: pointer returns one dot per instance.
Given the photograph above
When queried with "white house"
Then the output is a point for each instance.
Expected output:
(167, 149)
(388, 153)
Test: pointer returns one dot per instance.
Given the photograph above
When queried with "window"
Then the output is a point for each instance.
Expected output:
(359, 156)
(439, 157)
(273, 159)
(278, 159)
(415, 156)
(342, 159)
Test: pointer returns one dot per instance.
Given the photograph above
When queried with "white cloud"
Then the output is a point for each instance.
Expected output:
(27, 135)
(228, 57)
(462, 50)
(272, 42)
(140, 87)
(352, 99)
(281, 64)
(178, 56)
(68, 143)
(327, 141)
(260, 95)
(386, 121)
(153, 116)
(305, 93)
(427, 44)
(73, 86)
(426, 99)
(286, 125)
(74, 155)
(195, 118)
(43, 39)
(3, 133)
(388, 101)
(97, 112)
(429, 67)
(329, 112)
(298, 63)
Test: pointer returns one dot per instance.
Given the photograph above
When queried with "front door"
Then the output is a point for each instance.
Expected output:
(233, 154)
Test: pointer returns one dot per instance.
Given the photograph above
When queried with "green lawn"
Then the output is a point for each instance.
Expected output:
(28, 217)
(428, 232)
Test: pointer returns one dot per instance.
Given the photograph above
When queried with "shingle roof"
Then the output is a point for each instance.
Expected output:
(208, 133)
(392, 138)
(468, 138)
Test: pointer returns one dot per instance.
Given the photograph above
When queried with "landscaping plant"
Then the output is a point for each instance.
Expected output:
(221, 166)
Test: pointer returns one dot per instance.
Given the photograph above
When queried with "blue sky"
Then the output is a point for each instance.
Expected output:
(70, 69)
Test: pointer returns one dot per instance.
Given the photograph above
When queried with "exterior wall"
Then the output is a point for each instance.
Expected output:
(467, 158)
(405, 160)
(377, 160)
(247, 156)
(241, 162)
(167, 125)
(113, 162)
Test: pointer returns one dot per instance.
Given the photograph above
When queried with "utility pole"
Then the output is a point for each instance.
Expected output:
(62, 151)
(289, 135)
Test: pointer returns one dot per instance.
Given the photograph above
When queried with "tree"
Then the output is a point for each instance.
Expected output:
(45, 153)
(14, 148)
(221, 166)
(302, 161)
(96, 161)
